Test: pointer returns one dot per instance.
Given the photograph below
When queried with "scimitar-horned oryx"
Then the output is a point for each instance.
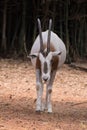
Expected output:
(47, 54)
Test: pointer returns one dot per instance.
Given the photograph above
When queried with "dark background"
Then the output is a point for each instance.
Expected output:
(18, 25)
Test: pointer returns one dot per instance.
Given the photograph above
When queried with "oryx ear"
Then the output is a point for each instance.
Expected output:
(31, 56)
(56, 53)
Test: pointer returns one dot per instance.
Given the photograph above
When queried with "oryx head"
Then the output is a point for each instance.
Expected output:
(46, 56)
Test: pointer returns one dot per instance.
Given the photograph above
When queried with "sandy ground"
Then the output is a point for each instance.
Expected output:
(18, 95)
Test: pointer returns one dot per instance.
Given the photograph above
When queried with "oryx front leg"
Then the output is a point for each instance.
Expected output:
(49, 92)
(48, 99)
(39, 89)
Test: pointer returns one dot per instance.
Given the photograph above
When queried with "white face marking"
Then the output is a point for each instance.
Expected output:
(45, 66)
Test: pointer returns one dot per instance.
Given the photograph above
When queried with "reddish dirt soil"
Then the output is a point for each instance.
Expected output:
(18, 95)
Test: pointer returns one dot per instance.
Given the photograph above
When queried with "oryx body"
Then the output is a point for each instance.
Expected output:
(56, 44)
(47, 54)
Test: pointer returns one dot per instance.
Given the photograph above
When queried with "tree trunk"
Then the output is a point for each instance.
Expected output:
(3, 44)
(61, 31)
(22, 40)
(67, 33)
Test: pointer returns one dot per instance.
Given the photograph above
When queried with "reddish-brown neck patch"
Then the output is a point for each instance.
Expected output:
(38, 63)
(55, 62)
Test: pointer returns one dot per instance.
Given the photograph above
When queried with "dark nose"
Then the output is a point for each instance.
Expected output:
(45, 79)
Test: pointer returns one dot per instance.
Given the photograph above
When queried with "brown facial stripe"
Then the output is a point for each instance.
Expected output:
(45, 68)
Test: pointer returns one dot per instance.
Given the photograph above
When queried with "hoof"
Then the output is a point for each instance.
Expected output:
(38, 111)
(50, 110)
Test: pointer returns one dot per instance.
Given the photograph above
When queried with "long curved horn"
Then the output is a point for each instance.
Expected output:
(40, 34)
(49, 35)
